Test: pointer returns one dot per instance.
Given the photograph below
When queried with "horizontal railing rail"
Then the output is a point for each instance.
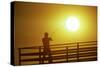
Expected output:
(69, 52)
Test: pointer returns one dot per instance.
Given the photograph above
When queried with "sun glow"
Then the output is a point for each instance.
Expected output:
(72, 23)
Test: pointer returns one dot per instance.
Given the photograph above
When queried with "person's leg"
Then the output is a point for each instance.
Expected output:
(49, 55)
(44, 55)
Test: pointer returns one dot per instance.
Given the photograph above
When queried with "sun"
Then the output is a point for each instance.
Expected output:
(72, 23)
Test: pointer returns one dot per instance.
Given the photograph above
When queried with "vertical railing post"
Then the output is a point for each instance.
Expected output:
(39, 55)
(43, 56)
(77, 51)
(19, 56)
(67, 54)
(50, 57)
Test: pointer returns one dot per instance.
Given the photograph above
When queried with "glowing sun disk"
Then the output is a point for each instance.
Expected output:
(72, 23)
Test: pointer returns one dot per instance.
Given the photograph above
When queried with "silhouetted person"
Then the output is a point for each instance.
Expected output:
(46, 44)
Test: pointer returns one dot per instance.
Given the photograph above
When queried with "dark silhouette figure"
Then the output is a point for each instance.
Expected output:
(46, 44)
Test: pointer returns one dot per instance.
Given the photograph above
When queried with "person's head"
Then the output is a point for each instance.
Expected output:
(46, 34)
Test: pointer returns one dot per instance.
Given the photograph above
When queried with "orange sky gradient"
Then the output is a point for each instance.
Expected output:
(33, 19)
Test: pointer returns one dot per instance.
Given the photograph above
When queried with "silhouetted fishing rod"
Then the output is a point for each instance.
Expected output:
(54, 32)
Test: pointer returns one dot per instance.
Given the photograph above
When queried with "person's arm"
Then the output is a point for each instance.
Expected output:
(50, 38)
(42, 40)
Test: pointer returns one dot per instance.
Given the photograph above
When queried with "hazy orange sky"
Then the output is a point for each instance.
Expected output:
(33, 19)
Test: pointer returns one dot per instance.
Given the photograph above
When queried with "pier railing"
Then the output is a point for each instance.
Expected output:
(69, 52)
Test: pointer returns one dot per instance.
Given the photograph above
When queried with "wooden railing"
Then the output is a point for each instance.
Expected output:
(69, 52)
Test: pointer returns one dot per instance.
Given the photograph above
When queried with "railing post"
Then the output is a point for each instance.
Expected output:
(50, 57)
(67, 54)
(43, 56)
(40, 55)
(19, 56)
(77, 51)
